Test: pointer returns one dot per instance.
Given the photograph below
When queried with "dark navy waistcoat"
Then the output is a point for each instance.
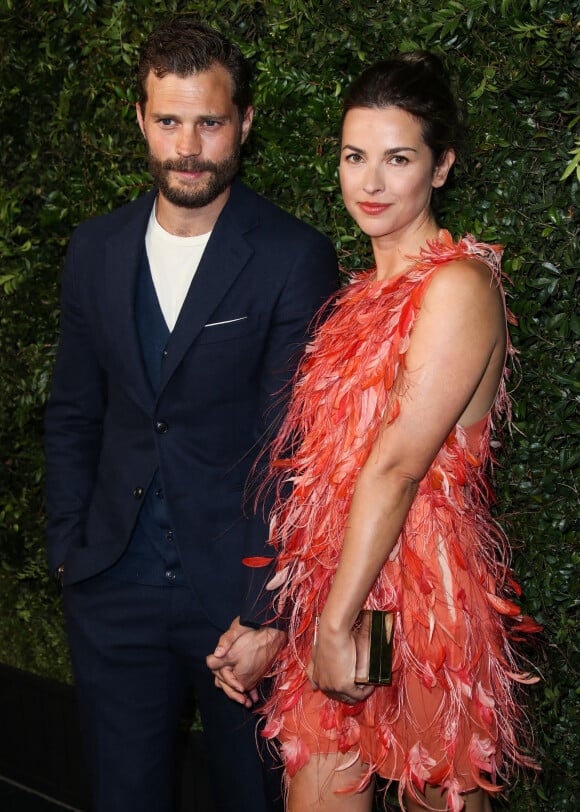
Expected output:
(152, 556)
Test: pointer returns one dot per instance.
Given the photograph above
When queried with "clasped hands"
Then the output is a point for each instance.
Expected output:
(243, 655)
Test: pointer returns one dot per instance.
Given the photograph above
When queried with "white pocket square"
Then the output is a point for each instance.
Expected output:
(228, 321)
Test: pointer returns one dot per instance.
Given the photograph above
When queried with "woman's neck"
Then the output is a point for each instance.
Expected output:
(392, 252)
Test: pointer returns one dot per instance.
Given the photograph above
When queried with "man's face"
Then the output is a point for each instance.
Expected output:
(194, 135)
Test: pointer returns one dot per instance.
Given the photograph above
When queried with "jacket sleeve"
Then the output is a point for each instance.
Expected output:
(73, 419)
(314, 278)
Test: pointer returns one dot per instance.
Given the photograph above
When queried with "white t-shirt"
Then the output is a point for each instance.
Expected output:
(173, 261)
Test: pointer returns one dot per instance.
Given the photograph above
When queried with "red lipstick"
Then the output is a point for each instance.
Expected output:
(373, 208)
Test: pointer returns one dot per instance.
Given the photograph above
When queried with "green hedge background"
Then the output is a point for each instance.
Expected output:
(70, 148)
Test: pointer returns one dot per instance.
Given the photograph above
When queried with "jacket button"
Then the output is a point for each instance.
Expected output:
(161, 427)
(138, 493)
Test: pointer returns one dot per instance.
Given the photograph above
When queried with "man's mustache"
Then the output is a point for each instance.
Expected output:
(189, 165)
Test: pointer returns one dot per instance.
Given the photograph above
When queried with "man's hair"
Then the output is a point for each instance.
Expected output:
(184, 46)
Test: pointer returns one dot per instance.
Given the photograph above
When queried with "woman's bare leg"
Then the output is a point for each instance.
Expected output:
(475, 801)
(313, 788)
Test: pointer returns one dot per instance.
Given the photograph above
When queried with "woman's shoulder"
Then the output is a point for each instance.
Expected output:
(467, 284)
(465, 271)
(444, 250)
(465, 263)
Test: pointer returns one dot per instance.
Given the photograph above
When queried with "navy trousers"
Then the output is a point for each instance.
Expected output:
(137, 651)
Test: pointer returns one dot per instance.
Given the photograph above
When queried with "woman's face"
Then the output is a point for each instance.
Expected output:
(387, 171)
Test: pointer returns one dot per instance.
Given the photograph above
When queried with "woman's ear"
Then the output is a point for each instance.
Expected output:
(442, 169)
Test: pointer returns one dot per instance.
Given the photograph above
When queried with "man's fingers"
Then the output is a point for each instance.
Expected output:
(229, 637)
(213, 662)
(228, 677)
(238, 696)
(226, 641)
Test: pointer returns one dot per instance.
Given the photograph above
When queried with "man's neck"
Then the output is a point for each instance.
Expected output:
(186, 222)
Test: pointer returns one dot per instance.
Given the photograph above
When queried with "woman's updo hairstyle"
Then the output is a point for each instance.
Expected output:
(417, 83)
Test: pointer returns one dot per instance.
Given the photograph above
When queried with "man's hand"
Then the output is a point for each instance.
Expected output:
(241, 659)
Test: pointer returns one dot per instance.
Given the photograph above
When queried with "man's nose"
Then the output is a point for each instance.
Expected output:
(189, 142)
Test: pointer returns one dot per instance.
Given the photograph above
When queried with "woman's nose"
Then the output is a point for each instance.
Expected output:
(373, 180)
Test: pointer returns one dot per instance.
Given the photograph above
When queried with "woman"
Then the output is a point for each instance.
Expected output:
(386, 445)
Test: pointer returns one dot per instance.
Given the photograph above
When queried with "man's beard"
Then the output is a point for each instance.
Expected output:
(220, 178)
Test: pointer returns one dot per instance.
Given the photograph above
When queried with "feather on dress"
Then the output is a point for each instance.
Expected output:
(451, 716)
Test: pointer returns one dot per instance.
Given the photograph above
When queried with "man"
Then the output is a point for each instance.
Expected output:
(183, 314)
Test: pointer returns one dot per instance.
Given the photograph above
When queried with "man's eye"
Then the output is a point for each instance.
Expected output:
(167, 122)
(211, 123)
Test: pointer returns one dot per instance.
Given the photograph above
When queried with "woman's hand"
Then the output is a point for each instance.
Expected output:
(332, 666)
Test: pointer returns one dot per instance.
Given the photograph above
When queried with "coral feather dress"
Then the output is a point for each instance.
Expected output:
(451, 716)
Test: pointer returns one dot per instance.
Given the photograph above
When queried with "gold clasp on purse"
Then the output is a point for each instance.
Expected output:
(373, 634)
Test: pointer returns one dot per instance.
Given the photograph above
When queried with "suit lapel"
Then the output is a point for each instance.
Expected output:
(124, 255)
(224, 258)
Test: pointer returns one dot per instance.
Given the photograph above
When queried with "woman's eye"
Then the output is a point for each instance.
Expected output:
(399, 160)
(353, 158)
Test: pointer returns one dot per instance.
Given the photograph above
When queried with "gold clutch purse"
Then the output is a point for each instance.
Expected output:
(373, 633)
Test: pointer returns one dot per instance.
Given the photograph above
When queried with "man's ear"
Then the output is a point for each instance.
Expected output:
(140, 117)
(247, 123)
(442, 169)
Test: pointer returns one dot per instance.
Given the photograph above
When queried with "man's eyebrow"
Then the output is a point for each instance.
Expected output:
(201, 117)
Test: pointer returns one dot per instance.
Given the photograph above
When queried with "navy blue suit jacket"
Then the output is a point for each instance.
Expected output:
(262, 277)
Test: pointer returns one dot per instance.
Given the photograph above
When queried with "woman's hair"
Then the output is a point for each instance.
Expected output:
(184, 47)
(417, 83)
